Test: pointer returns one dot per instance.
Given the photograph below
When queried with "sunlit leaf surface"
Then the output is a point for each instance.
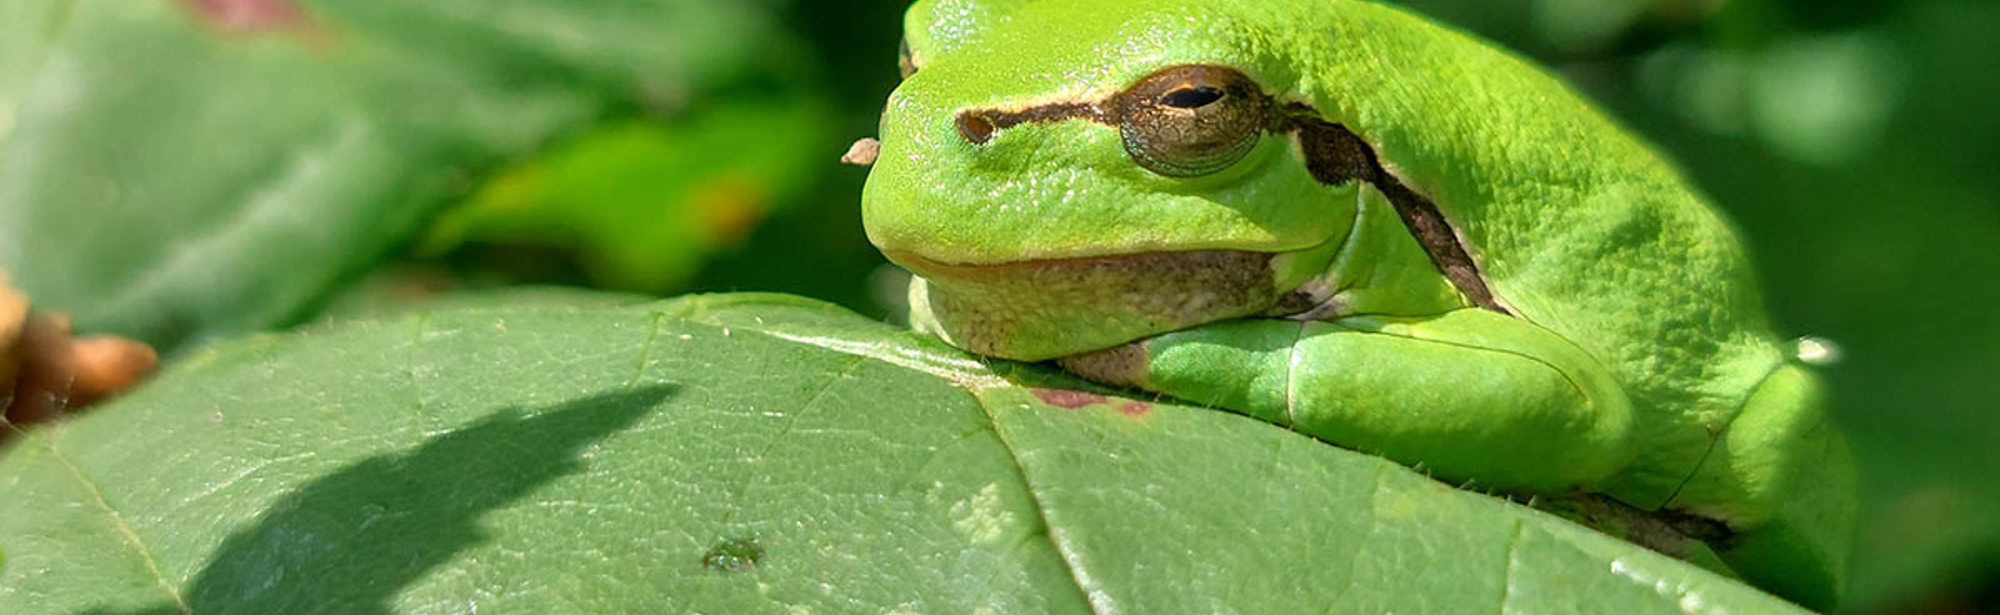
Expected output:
(743, 453)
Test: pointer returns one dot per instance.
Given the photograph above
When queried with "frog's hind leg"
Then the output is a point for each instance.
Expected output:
(1472, 395)
(1781, 476)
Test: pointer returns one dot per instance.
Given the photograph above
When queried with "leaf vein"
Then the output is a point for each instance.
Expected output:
(736, 500)
(1513, 565)
(125, 530)
(1077, 572)
(1374, 526)
(646, 351)
(421, 325)
(791, 421)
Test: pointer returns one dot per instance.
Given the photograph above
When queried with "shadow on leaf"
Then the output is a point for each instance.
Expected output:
(351, 541)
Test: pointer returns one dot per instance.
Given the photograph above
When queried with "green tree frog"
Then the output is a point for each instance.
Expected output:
(1339, 217)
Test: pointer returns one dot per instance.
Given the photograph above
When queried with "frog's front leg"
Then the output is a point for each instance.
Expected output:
(1472, 395)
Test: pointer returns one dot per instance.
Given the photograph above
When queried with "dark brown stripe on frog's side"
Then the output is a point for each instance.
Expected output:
(1334, 155)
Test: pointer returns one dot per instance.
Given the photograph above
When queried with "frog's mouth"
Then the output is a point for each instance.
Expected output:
(1041, 309)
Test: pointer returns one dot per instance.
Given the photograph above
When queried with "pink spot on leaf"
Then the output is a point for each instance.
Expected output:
(1068, 399)
(1135, 409)
(247, 15)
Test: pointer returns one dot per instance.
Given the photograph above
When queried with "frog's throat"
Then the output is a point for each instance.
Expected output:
(1042, 309)
(1333, 154)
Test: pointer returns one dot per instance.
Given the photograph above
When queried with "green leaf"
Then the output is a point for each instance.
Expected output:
(179, 170)
(640, 205)
(742, 453)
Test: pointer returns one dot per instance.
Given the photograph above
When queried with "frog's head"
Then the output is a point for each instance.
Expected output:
(1069, 175)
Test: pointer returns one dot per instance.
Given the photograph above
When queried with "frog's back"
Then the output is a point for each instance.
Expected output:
(1582, 229)
(1575, 224)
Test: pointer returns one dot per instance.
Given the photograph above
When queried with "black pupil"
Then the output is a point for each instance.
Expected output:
(1191, 98)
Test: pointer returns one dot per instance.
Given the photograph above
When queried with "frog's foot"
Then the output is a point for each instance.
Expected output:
(1473, 395)
(1781, 477)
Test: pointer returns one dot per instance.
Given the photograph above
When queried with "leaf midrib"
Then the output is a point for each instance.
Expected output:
(125, 531)
(969, 386)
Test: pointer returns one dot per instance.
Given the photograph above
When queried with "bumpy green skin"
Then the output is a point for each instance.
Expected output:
(1634, 360)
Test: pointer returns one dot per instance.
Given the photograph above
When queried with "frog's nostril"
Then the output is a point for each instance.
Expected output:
(975, 127)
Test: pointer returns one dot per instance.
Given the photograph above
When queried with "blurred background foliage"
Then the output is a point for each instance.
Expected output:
(183, 170)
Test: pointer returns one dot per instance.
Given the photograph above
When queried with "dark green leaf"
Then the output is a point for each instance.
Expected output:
(177, 170)
(743, 453)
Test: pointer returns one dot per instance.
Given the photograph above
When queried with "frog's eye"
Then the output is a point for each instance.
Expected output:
(1189, 121)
